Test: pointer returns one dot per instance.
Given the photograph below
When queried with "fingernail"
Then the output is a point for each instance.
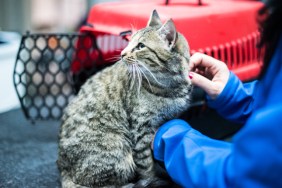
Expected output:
(190, 75)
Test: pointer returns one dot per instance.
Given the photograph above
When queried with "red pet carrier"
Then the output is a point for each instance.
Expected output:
(224, 29)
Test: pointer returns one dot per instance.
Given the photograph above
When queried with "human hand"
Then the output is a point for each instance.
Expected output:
(208, 73)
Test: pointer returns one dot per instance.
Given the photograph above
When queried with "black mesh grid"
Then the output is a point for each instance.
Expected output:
(49, 70)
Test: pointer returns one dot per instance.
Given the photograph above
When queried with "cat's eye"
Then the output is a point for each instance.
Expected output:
(140, 46)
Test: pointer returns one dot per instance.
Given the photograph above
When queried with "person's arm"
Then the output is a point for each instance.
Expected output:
(237, 100)
(252, 160)
(190, 158)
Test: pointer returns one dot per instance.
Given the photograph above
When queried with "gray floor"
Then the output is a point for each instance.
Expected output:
(28, 153)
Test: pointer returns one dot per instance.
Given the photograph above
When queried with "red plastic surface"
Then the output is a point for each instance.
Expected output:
(224, 29)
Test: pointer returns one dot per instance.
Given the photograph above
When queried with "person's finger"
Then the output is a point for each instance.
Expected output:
(202, 82)
(201, 60)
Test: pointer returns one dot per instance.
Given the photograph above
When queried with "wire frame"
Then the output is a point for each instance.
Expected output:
(49, 70)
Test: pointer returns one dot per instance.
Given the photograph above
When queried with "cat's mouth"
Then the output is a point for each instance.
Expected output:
(128, 60)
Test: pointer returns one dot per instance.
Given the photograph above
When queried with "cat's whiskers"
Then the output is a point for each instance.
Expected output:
(139, 77)
(114, 58)
(145, 77)
(133, 76)
(150, 72)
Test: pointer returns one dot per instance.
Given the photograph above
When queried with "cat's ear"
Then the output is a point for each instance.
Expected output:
(154, 20)
(168, 33)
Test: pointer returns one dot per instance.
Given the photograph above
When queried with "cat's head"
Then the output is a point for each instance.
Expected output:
(157, 54)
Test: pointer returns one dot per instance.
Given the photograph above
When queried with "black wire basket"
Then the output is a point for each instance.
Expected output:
(49, 70)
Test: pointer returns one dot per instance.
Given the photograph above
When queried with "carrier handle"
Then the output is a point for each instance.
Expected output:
(199, 2)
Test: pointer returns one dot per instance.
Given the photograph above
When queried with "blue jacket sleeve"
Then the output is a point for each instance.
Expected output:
(191, 158)
(237, 100)
(252, 160)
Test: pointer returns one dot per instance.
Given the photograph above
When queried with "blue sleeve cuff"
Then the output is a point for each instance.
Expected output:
(237, 100)
(173, 128)
(226, 94)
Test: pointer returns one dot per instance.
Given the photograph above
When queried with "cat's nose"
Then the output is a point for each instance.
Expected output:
(123, 54)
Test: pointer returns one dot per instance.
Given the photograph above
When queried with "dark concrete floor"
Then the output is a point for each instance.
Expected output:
(28, 152)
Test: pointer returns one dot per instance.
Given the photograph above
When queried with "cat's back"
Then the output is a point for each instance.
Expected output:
(112, 77)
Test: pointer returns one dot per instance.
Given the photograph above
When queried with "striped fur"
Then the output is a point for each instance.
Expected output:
(107, 129)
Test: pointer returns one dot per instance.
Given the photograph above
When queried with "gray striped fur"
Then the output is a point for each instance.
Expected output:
(107, 129)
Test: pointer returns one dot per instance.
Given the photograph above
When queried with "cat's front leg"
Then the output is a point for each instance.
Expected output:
(142, 155)
(149, 173)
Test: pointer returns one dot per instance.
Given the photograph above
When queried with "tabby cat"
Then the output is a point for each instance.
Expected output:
(107, 129)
